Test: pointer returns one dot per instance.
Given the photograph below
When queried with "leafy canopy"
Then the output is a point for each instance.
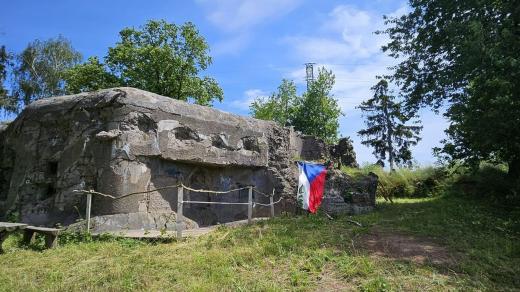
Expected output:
(89, 76)
(160, 57)
(39, 71)
(4, 64)
(386, 130)
(316, 112)
(464, 55)
(278, 106)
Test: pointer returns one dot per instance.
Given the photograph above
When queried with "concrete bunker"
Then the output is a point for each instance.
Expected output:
(124, 140)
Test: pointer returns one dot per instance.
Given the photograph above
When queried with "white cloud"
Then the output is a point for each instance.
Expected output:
(249, 96)
(344, 16)
(347, 45)
(347, 33)
(238, 18)
(240, 15)
(231, 45)
(319, 49)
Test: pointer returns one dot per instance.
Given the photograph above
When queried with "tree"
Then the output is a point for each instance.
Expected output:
(89, 76)
(317, 112)
(40, 68)
(279, 106)
(166, 59)
(386, 130)
(463, 55)
(5, 100)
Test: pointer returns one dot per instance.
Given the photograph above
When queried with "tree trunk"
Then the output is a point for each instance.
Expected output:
(389, 135)
(514, 169)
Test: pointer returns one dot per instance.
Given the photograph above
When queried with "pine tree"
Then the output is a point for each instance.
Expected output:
(386, 130)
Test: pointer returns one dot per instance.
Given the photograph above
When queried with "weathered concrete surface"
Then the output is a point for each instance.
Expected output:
(125, 140)
(342, 154)
(344, 194)
(144, 221)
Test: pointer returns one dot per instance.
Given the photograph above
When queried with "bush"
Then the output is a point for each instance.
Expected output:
(405, 182)
(489, 181)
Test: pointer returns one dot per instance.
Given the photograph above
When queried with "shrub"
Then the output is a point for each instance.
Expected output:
(488, 181)
(405, 182)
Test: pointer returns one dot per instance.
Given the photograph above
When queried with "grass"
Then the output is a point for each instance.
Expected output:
(288, 253)
(406, 182)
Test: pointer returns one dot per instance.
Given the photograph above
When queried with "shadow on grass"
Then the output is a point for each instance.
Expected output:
(299, 250)
(486, 237)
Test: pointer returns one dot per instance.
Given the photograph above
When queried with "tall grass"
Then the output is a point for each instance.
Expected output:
(405, 182)
(488, 181)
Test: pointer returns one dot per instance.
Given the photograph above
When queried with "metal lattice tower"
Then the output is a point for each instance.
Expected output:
(309, 73)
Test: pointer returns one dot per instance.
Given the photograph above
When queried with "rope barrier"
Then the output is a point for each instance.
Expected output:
(262, 193)
(214, 203)
(94, 192)
(125, 195)
(267, 205)
(179, 216)
(192, 202)
(169, 187)
(214, 192)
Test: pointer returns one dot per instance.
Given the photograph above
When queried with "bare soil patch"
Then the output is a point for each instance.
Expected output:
(401, 246)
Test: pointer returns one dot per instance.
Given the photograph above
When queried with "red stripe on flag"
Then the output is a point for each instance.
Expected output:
(316, 191)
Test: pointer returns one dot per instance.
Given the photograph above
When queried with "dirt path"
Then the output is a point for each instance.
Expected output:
(402, 246)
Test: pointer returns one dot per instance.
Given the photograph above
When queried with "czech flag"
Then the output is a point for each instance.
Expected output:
(310, 185)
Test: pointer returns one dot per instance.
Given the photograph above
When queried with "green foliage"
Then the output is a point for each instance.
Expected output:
(483, 237)
(464, 55)
(406, 182)
(89, 76)
(160, 57)
(488, 182)
(5, 59)
(39, 71)
(387, 131)
(317, 112)
(13, 216)
(279, 106)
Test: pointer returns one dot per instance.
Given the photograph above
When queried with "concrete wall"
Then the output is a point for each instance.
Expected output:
(125, 140)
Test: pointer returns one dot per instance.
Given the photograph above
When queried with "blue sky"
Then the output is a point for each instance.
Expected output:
(254, 44)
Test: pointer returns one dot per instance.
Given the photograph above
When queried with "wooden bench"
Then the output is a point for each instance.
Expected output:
(51, 235)
(7, 228)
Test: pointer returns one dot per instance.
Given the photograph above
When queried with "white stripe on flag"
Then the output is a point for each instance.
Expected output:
(304, 189)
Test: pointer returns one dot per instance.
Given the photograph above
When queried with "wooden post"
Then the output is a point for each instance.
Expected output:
(271, 200)
(179, 219)
(89, 205)
(250, 206)
(3, 236)
(29, 236)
